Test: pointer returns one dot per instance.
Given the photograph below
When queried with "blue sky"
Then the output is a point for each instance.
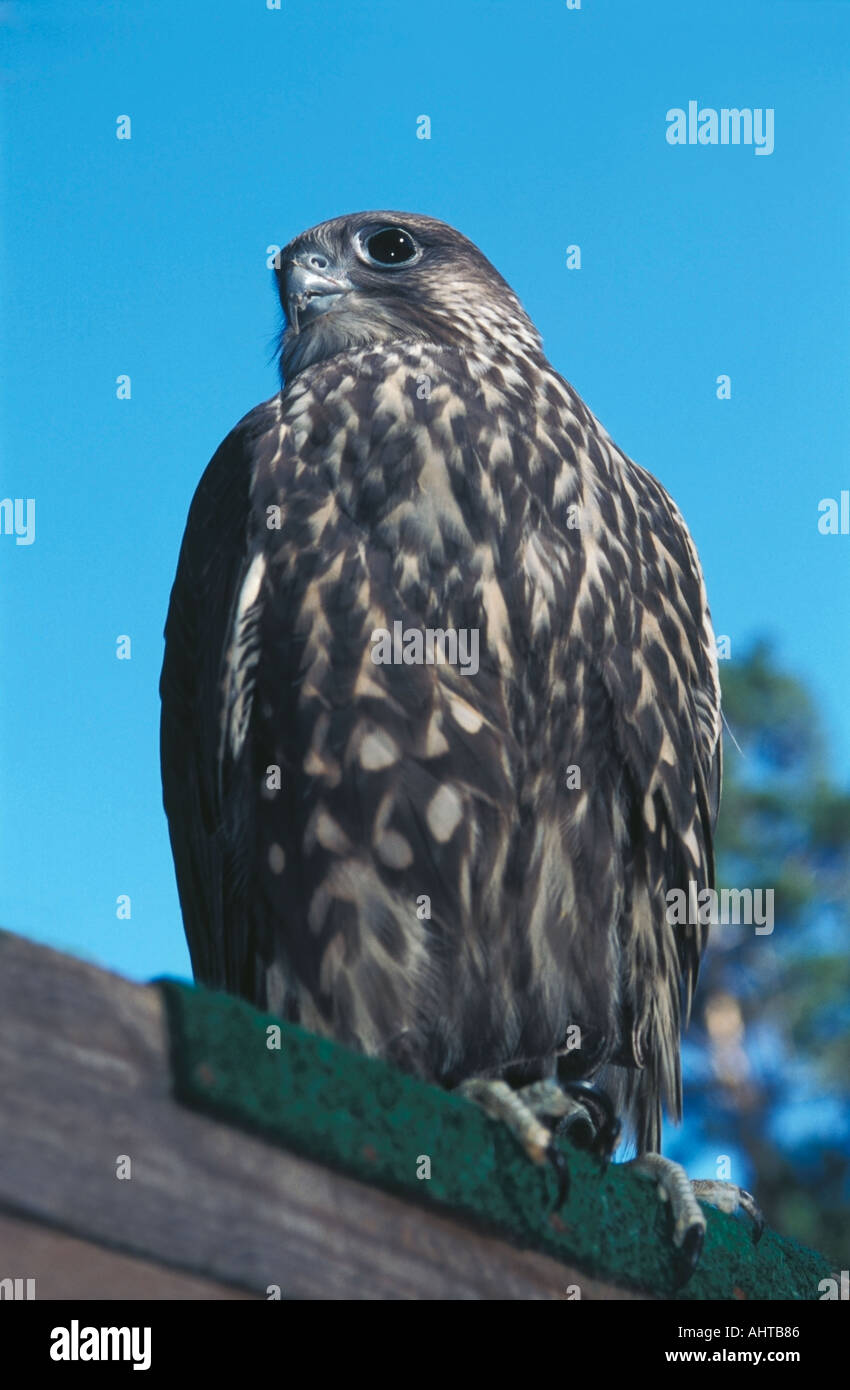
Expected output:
(148, 257)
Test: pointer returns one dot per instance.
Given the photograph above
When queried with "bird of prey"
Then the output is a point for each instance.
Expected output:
(459, 865)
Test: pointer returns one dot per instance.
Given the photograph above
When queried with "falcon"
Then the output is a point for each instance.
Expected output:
(462, 868)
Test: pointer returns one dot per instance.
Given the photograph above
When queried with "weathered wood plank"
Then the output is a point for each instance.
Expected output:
(84, 1080)
(64, 1267)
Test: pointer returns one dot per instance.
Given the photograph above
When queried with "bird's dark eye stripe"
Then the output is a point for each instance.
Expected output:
(391, 246)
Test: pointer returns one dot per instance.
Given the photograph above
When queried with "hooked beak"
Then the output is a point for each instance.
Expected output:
(309, 292)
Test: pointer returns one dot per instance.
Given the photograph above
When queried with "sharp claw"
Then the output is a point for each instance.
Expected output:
(588, 1092)
(611, 1137)
(562, 1174)
(688, 1254)
(608, 1126)
(756, 1217)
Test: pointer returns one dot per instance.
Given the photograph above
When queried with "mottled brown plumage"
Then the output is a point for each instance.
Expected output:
(425, 464)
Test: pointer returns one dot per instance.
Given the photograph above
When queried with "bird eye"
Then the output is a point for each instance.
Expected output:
(390, 246)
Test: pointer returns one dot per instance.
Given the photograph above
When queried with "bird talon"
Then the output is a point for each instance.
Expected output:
(605, 1122)
(749, 1204)
(726, 1196)
(688, 1254)
(562, 1174)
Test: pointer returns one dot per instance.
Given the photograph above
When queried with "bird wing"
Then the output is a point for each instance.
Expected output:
(211, 564)
(658, 665)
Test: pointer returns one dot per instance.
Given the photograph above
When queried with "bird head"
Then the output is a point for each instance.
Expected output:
(384, 277)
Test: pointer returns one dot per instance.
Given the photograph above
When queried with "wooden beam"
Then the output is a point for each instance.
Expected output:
(85, 1094)
(68, 1268)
